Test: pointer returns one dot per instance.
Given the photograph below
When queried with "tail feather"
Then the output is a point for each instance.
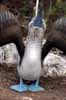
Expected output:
(7, 19)
(60, 25)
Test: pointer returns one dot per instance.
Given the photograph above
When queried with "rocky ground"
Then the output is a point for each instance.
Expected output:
(55, 89)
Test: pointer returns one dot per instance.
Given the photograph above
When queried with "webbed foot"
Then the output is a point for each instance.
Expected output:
(35, 87)
(21, 87)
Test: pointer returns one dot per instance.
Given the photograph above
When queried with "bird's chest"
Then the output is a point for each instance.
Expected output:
(32, 52)
(31, 64)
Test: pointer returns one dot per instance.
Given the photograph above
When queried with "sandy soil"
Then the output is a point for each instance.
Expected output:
(55, 89)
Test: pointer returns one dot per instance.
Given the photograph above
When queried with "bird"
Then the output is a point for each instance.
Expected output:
(30, 68)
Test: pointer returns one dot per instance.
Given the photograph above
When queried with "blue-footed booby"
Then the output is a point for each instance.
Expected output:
(30, 68)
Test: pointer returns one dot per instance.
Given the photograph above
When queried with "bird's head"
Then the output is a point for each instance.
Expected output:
(38, 21)
(37, 25)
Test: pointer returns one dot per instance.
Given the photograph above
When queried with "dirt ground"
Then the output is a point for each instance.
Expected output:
(55, 89)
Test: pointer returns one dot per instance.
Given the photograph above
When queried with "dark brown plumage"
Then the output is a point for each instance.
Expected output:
(10, 31)
(56, 37)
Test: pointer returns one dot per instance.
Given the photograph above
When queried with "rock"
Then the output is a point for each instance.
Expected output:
(9, 54)
(54, 66)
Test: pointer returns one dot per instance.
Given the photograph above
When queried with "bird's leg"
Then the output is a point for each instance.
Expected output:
(35, 87)
(21, 87)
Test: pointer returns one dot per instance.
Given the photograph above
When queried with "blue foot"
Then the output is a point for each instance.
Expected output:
(35, 88)
(20, 87)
